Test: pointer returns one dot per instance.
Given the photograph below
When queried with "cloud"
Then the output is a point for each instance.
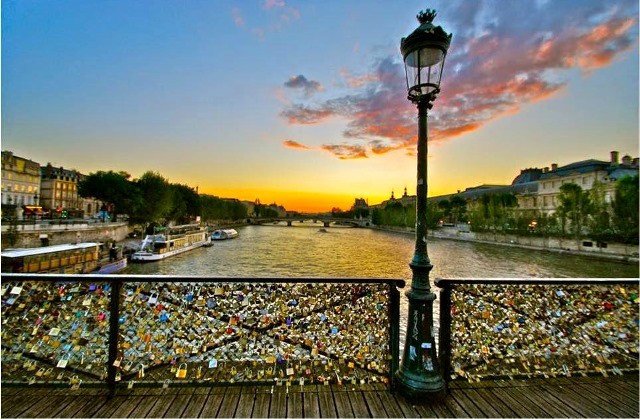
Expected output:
(237, 17)
(309, 87)
(295, 144)
(270, 4)
(346, 151)
(277, 16)
(503, 55)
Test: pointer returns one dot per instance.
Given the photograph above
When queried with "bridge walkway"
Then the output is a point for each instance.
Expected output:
(614, 396)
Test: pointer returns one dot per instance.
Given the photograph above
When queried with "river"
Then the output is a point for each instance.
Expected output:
(303, 251)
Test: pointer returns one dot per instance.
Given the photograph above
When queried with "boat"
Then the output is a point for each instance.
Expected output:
(228, 233)
(170, 241)
(79, 258)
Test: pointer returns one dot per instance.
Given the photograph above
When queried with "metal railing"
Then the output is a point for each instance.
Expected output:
(540, 327)
(171, 330)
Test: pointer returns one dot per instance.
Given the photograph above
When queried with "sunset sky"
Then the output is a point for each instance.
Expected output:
(303, 103)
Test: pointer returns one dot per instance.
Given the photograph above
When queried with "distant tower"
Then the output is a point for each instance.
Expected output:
(392, 197)
(405, 192)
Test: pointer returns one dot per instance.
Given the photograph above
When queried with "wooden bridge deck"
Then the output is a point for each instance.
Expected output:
(555, 397)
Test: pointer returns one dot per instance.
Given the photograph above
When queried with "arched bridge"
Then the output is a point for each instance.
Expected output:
(326, 221)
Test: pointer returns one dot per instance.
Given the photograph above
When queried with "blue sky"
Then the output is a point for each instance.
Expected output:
(303, 103)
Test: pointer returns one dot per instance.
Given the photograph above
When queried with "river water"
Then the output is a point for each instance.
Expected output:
(303, 251)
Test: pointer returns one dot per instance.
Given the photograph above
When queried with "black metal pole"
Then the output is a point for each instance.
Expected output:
(419, 373)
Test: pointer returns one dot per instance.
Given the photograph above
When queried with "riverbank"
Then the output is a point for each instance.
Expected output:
(613, 252)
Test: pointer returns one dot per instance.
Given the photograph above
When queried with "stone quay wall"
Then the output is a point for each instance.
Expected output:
(35, 235)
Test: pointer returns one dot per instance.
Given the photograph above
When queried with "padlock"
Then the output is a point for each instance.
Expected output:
(182, 371)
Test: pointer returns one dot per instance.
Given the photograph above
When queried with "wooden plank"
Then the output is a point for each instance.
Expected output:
(311, 404)
(601, 409)
(128, 405)
(89, 409)
(278, 407)
(358, 404)
(178, 405)
(485, 406)
(144, 407)
(343, 405)
(161, 405)
(212, 404)
(407, 410)
(609, 400)
(518, 408)
(13, 406)
(469, 406)
(578, 402)
(194, 407)
(548, 400)
(245, 402)
(518, 393)
(294, 405)
(390, 404)
(376, 408)
(454, 407)
(77, 402)
(327, 405)
(502, 409)
(261, 405)
(431, 410)
(46, 407)
(229, 403)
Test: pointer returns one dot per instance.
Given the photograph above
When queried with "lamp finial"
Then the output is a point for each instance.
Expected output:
(427, 16)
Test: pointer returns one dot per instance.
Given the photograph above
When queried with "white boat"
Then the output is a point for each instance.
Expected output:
(171, 241)
(80, 258)
(224, 234)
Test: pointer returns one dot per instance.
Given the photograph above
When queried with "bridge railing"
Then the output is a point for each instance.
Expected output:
(508, 328)
(130, 330)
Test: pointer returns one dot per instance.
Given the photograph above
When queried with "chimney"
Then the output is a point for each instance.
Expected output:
(614, 157)
(554, 166)
(626, 160)
(545, 170)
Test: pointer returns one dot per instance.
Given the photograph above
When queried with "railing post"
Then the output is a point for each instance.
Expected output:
(445, 329)
(114, 329)
(394, 333)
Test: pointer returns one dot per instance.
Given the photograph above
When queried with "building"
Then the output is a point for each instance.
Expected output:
(586, 174)
(20, 181)
(59, 188)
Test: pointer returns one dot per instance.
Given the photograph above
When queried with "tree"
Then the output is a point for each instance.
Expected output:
(156, 199)
(186, 203)
(625, 209)
(110, 187)
(575, 207)
(458, 209)
(600, 221)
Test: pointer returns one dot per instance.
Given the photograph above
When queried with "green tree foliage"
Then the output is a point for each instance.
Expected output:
(110, 187)
(574, 209)
(599, 224)
(625, 209)
(156, 199)
(494, 212)
(396, 215)
(186, 204)
(217, 209)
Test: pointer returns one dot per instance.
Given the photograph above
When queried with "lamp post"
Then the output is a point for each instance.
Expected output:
(424, 52)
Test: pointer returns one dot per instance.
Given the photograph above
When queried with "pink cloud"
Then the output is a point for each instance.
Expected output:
(237, 17)
(270, 4)
(493, 69)
(295, 144)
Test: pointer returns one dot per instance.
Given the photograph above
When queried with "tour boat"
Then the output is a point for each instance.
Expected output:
(80, 258)
(170, 241)
(225, 234)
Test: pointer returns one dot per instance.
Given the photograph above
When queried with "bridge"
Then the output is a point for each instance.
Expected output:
(326, 221)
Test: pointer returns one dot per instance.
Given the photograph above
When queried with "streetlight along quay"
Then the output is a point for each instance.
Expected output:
(424, 52)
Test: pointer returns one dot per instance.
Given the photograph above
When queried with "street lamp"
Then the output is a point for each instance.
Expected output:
(424, 52)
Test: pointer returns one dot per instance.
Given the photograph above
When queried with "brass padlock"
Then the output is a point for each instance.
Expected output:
(182, 371)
